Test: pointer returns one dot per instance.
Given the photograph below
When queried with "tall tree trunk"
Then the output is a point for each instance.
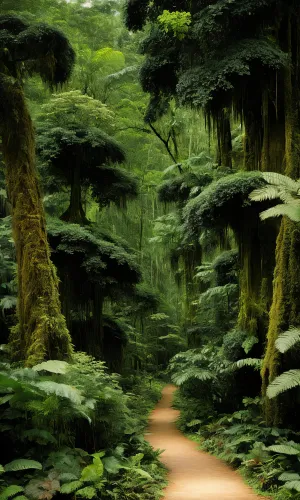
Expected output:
(224, 139)
(75, 212)
(285, 310)
(41, 332)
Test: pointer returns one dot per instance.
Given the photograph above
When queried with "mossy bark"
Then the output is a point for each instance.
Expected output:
(41, 332)
(285, 310)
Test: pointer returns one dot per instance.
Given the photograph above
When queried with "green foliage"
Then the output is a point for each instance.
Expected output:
(284, 382)
(220, 203)
(282, 187)
(287, 340)
(176, 22)
(199, 86)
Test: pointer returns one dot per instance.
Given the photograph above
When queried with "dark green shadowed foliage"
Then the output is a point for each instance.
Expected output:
(35, 49)
(220, 203)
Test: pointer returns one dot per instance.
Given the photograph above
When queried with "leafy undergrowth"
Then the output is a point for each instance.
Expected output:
(70, 429)
(267, 457)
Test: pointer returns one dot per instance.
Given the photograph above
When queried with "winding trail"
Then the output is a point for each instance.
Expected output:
(193, 474)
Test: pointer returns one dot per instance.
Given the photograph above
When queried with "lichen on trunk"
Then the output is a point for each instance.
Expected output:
(41, 332)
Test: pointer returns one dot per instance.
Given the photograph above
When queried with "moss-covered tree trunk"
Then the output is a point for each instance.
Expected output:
(285, 310)
(41, 332)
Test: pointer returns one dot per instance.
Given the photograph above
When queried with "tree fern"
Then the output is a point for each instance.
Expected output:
(288, 339)
(283, 383)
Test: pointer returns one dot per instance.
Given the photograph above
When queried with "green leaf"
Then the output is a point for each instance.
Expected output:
(1, 469)
(22, 464)
(40, 436)
(292, 485)
(68, 488)
(93, 472)
(143, 473)
(283, 449)
(52, 366)
(11, 491)
(112, 465)
(289, 476)
(67, 476)
(87, 492)
(62, 390)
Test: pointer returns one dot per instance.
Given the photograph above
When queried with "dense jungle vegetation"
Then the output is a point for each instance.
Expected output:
(149, 232)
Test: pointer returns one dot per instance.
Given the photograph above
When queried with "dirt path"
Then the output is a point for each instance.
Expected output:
(193, 475)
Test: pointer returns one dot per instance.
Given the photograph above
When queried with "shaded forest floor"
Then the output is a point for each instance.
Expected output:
(193, 474)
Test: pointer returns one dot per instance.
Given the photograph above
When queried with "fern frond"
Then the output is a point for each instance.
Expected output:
(281, 181)
(291, 211)
(254, 362)
(190, 374)
(287, 340)
(283, 383)
(265, 193)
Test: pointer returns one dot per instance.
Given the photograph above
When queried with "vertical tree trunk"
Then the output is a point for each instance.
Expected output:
(75, 212)
(285, 310)
(41, 332)
(224, 139)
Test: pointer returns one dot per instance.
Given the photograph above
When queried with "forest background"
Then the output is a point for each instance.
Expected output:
(163, 261)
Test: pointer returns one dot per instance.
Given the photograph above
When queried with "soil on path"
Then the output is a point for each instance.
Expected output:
(193, 474)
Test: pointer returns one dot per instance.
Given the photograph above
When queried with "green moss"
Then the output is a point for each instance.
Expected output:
(220, 204)
(42, 331)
